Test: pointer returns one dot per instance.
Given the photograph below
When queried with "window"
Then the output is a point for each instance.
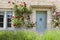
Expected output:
(9, 14)
(1, 19)
(5, 19)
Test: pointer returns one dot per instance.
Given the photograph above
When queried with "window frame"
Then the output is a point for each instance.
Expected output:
(2, 17)
(5, 21)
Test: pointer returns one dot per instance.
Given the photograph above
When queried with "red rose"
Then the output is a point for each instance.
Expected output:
(24, 4)
(12, 16)
(13, 3)
(17, 17)
(8, 1)
(14, 25)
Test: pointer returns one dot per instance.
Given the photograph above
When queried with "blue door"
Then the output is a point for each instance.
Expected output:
(41, 19)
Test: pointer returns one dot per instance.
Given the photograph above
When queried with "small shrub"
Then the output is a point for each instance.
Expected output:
(18, 35)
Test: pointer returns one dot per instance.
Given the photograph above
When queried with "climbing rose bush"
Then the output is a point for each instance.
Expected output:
(21, 16)
(55, 19)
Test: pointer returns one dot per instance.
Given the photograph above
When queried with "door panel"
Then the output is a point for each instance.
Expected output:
(41, 18)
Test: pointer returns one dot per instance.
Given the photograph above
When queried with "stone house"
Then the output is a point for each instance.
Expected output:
(41, 13)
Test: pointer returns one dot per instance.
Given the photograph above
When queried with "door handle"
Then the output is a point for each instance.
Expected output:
(40, 19)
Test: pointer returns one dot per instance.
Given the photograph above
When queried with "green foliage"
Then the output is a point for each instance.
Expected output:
(51, 35)
(29, 24)
(18, 35)
(16, 10)
(18, 22)
(20, 10)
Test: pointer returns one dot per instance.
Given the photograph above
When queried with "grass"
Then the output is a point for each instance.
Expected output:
(18, 35)
(51, 35)
(29, 35)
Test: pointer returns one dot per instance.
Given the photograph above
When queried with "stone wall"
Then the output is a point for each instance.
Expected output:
(4, 3)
